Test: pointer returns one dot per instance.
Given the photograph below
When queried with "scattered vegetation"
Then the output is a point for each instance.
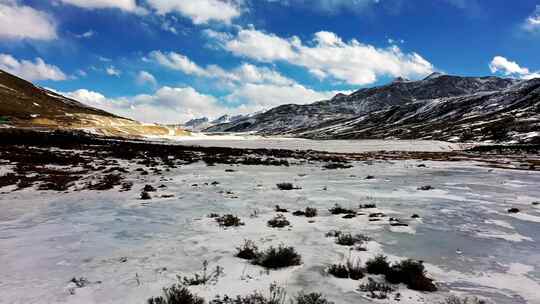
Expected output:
(376, 290)
(457, 300)
(149, 188)
(279, 209)
(229, 220)
(333, 166)
(145, 195)
(287, 186)
(425, 188)
(277, 295)
(378, 265)
(337, 209)
(202, 278)
(351, 270)
(347, 239)
(309, 212)
(247, 251)
(280, 257)
(176, 294)
(279, 221)
(409, 272)
(311, 298)
(513, 210)
(367, 206)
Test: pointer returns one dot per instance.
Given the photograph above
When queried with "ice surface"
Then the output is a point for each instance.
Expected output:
(467, 239)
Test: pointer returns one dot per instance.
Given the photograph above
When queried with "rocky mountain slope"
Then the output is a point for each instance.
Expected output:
(25, 105)
(440, 107)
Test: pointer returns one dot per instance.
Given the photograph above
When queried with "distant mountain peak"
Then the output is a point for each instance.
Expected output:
(400, 79)
(434, 75)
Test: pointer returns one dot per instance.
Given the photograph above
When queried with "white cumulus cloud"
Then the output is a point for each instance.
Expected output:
(532, 23)
(112, 71)
(166, 105)
(31, 70)
(126, 5)
(200, 11)
(145, 77)
(507, 67)
(23, 22)
(327, 55)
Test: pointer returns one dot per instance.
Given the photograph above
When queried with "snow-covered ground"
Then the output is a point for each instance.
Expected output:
(470, 243)
(251, 141)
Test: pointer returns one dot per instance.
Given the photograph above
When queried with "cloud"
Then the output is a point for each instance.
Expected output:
(532, 23)
(200, 11)
(502, 65)
(23, 22)
(329, 6)
(125, 5)
(112, 71)
(327, 55)
(177, 62)
(145, 77)
(166, 105)
(32, 71)
(245, 73)
(87, 34)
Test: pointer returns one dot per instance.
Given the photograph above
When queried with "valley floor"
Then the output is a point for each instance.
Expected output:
(128, 249)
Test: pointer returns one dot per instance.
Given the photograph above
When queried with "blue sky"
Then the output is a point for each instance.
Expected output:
(172, 60)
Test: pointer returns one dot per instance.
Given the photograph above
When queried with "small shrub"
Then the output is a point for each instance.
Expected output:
(279, 221)
(415, 216)
(337, 209)
(229, 220)
(149, 188)
(213, 215)
(279, 209)
(376, 215)
(370, 177)
(376, 290)
(411, 273)
(457, 300)
(378, 265)
(367, 206)
(277, 295)
(347, 239)
(299, 213)
(349, 216)
(513, 210)
(248, 250)
(339, 271)
(287, 186)
(280, 257)
(333, 166)
(311, 212)
(425, 188)
(333, 233)
(202, 278)
(351, 270)
(176, 294)
(311, 298)
(145, 195)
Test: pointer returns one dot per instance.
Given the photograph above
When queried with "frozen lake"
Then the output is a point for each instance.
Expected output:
(247, 141)
(469, 242)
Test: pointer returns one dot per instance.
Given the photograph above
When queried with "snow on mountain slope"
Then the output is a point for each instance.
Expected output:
(438, 107)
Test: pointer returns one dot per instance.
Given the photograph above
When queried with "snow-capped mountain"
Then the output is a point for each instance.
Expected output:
(199, 124)
(439, 107)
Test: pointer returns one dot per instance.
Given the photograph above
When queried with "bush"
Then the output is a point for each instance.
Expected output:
(248, 250)
(176, 294)
(457, 300)
(337, 209)
(367, 206)
(287, 186)
(279, 221)
(351, 270)
(339, 271)
(299, 213)
(149, 188)
(279, 209)
(229, 220)
(202, 278)
(376, 290)
(411, 273)
(311, 212)
(333, 233)
(277, 296)
(347, 239)
(425, 188)
(145, 195)
(513, 210)
(311, 298)
(280, 257)
(378, 265)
